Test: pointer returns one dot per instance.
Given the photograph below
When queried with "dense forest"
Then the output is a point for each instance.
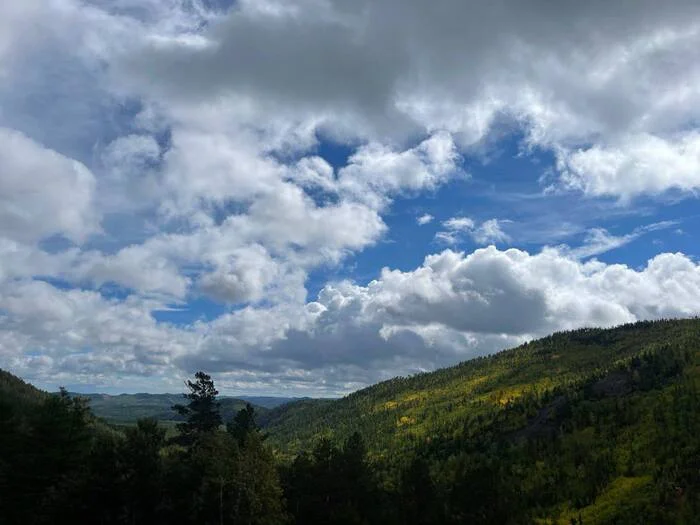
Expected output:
(589, 426)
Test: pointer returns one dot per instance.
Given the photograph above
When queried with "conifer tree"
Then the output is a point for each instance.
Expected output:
(202, 412)
(243, 424)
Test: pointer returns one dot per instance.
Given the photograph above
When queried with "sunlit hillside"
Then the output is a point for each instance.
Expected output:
(597, 423)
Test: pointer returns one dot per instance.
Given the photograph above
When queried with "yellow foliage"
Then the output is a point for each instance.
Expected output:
(405, 420)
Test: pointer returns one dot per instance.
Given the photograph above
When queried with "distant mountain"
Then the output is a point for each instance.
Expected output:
(270, 401)
(127, 408)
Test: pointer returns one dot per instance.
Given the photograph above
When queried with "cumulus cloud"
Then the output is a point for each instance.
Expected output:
(130, 181)
(251, 274)
(488, 232)
(623, 73)
(81, 333)
(20, 260)
(374, 172)
(454, 306)
(134, 267)
(639, 164)
(43, 193)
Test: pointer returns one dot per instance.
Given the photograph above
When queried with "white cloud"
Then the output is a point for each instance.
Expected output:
(251, 274)
(130, 181)
(424, 219)
(43, 193)
(134, 267)
(488, 232)
(19, 260)
(454, 306)
(214, 167)
(375, 173)
(387, 70)
(599, 240)
(639, 164)
(459, 224)
(81, 334)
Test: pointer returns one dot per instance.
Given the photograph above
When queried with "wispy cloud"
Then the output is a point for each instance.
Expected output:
(599, 240)
(491, 232)
(487, 232)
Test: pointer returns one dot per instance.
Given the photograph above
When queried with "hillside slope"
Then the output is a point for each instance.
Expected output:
(14, 391)
(588, 426)
(406, 409)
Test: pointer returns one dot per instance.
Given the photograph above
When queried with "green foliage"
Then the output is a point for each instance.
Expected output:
(590, 426)
(16, 393)
(61, 466)
(44, 439)
(202, 412)
(333, 485)
(406, 412)
(142, 469)
(543, 432)
(243, 424)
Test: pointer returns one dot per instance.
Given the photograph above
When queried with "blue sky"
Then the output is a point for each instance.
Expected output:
(306, 197)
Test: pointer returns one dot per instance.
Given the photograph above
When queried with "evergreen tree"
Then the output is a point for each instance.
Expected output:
(242, 424)
(202, 412)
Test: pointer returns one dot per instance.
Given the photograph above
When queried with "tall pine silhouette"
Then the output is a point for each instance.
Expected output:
(202, 412)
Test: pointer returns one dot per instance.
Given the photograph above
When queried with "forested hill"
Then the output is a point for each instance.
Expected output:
(127, 408)
(450, 403)
(588, 426)
(14, 391)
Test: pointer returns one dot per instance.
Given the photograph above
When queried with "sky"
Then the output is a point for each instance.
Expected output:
(305, 197)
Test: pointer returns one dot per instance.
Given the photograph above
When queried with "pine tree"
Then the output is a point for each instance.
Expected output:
(243, 424)
(202, 412)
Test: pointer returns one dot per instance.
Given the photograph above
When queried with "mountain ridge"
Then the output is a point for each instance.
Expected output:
(586, 426)
(468, 385)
